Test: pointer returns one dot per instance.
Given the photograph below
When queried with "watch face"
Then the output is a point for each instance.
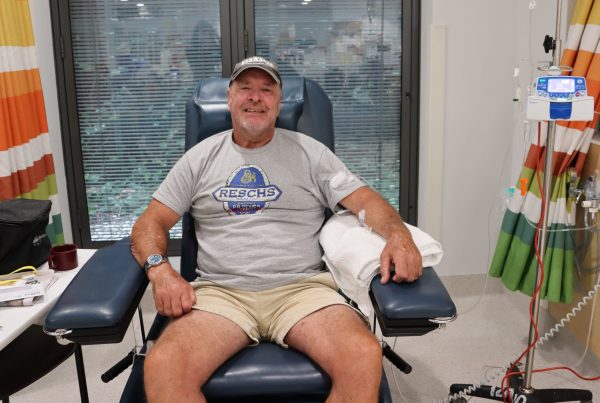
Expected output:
(154, 259)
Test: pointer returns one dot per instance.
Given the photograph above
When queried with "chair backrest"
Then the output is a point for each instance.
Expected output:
(305, 108)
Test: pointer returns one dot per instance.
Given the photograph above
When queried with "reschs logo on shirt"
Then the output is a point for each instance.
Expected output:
(247, 191)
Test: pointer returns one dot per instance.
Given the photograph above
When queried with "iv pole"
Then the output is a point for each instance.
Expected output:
(522, 391)
(547, 192)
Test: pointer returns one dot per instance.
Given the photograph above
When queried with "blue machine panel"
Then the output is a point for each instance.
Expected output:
(561, 88)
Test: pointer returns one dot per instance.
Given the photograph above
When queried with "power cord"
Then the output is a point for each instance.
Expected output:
(589, 331)
(12, 277)
(563, 322)
(549, 334)
(394, 374)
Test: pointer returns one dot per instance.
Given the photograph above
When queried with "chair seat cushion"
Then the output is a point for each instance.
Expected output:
(268, 370)
(266, 373)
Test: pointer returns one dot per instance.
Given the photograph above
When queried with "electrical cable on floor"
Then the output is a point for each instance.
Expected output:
(394, 374)
(549, 334)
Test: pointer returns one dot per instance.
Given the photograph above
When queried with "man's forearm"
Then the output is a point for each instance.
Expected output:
(150, 232)
(384, 218)
(378, 213)
(147, 237)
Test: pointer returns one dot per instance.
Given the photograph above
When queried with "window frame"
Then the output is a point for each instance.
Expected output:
(237, 42)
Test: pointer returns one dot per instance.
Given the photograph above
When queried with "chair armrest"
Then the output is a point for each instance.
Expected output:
(412, 309)
(98, 304)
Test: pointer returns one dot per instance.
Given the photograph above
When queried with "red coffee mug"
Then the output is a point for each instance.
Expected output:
(63, 257)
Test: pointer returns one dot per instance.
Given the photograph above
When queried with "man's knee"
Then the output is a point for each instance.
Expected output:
(153, 364)
(165, 358)
(361, 355)
(369, 350)
(188, 356)
(156, 361)
(168, 371)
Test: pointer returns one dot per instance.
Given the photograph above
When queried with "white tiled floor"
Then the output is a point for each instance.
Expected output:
(490, 335)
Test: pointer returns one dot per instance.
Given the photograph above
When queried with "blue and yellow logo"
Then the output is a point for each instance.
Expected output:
(247, 191)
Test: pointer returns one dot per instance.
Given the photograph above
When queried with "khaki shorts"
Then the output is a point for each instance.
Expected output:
(270, 314)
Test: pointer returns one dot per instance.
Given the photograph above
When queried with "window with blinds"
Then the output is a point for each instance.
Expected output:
(353, 49)
(131, 65)
(135, 64)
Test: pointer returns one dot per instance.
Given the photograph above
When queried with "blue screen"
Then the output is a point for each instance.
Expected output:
(565, 85)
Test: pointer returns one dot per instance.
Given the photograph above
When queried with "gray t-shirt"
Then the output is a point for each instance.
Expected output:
(257, 211)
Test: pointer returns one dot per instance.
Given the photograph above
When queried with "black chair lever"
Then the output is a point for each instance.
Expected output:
(119, 367)
(396, 359)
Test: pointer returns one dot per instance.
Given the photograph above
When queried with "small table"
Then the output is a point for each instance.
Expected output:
(15, 320)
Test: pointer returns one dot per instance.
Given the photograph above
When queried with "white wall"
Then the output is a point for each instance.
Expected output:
(481, 129)
(477, 150)
(42, 30)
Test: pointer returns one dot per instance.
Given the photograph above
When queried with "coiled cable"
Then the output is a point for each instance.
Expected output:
(547, 336)
(569, 315)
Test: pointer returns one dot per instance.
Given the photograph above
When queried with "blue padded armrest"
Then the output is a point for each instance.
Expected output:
(99, 303)
(416, 308)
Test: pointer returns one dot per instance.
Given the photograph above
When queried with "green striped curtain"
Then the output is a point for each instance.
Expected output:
(514, 259)
(26, 164)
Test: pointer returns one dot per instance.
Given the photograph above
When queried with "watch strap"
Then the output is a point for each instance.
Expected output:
(147, 265)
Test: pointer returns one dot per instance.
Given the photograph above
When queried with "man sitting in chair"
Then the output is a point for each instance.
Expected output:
(257, 194)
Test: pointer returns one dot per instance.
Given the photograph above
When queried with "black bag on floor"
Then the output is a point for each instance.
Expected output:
(23, 237)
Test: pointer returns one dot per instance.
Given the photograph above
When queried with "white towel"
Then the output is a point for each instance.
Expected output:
(352, 254)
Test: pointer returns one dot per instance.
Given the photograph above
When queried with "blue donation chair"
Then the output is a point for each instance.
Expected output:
(101, 301)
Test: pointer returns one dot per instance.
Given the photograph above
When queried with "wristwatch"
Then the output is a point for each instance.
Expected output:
(154, 260)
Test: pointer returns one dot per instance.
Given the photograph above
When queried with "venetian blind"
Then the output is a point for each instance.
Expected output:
(352, 48)
(136, 63)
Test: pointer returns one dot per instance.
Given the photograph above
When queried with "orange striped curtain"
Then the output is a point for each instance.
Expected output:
(514, 259)
(26, 164)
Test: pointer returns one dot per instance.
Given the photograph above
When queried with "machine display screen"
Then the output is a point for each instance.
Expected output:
(564, 85)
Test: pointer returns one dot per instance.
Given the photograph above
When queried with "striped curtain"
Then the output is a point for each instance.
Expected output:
(514, 259)
(26, 164)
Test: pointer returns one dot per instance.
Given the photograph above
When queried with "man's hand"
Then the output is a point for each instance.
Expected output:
(402, 252)
(173, 295)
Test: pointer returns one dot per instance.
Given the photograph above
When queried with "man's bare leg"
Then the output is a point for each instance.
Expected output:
(340, 342)
(190, 349)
